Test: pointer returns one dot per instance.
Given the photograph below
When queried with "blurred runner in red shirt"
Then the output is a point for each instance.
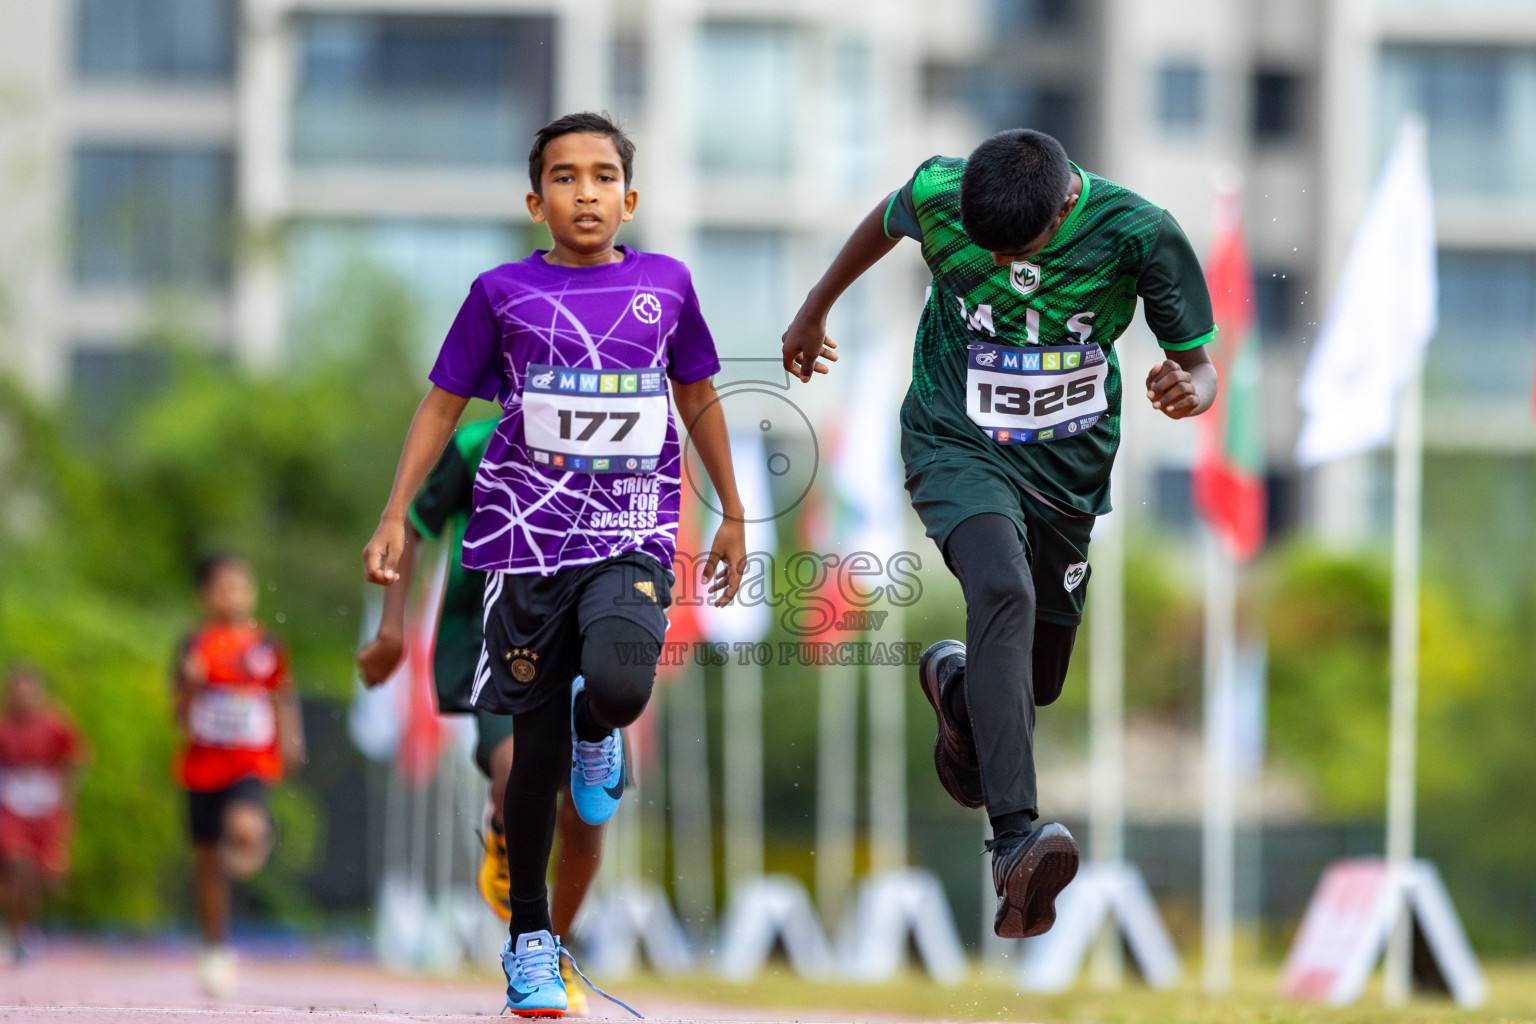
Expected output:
(240, 722)
(40, 753)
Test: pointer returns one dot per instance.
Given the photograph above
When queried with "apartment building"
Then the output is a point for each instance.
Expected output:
(1302, 100)
(223, 162)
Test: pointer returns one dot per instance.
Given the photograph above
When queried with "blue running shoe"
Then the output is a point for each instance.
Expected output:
(534, 985)
(597, 770)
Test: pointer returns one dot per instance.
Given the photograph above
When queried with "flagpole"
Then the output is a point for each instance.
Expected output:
(887, 693)
(693, 840)
(1106, 731)
(837, 780)
(743, 756)
(1407, 524)
(1217, 846)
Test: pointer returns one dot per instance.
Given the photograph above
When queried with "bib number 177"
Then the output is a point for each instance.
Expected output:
(590, 421)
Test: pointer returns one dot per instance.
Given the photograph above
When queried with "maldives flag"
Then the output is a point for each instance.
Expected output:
(1228, 481)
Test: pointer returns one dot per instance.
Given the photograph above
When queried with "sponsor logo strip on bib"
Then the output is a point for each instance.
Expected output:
(31, 792)
(595, 421)
(233, 720)
(1020, 395)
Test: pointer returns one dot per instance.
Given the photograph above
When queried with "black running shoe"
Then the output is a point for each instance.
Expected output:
(954, 752)
(1029, 872)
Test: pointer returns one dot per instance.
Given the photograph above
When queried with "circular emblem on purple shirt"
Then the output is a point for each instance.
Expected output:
(647, 308)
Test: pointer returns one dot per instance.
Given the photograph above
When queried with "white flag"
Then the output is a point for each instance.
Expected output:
(747, 618)
(1383, 315)
(866, 473)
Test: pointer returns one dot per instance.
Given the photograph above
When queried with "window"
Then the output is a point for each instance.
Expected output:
(740, 278)
(1461, 89)
(1181, 96)
(746, 109)
(1003, 99)
(1474, 102)
(421, 90)
(1486, 344)
(629, 74)
(156, 40)
(1013, 17)
(433, 261)
(850, 152)
(1275, 294)
(1276, 102)
(110, 381)
(152, 216)
(1173, 500)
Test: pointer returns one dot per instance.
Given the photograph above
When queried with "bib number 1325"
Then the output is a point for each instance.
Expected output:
(1028, 395)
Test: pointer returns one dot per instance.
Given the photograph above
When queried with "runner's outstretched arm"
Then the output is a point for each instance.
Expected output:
(431, 428)
(380, 657)
(290, 725)
(806, 341)
(699, 408)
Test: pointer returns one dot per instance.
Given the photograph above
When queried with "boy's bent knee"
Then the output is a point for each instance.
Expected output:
(247, 840)
(987, 555)
(618, 683)
(1004, 586)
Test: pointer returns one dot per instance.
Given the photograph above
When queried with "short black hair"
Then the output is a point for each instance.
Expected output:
(1012, 188)
(208, 566)
(586, 122)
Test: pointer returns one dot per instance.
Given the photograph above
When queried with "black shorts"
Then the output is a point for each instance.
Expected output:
(946, 493)
(205, 811)
(534, 625)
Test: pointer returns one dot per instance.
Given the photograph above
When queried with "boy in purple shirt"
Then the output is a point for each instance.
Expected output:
(576, 500)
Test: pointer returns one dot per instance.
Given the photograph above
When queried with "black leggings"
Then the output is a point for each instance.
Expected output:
(1013, 664)
(541, 756)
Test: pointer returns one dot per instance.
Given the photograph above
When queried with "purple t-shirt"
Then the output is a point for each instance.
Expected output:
(557, 486)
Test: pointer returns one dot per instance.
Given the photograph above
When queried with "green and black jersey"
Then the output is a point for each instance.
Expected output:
(1081, 289)
(442, 509)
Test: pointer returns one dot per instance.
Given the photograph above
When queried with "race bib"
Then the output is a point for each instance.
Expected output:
(595, 421)
(31, 792)
(232, 719)
(1029, 395)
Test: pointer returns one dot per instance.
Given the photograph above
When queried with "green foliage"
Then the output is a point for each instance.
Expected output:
(1327, 627)
(1328, 623)
(106, 663)
(102, 519)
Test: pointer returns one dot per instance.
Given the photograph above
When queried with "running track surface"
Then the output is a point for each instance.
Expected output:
(84, 984)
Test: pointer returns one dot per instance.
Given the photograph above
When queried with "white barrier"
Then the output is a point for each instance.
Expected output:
(1114, 894)
(416, 931)
(767, 910)
(890, 908)
(620, 922)
(1352, 912)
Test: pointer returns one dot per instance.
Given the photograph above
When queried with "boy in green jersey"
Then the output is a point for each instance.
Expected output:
(441, 511)
(1008, 433)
